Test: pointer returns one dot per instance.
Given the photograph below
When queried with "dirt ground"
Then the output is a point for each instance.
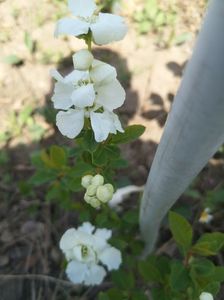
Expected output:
(151, 76)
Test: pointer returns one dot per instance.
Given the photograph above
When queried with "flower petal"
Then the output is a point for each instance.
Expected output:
(62, 95)
(116, 122)
(101, 126)
(76, 271)
(102, 72)
(108, 28)
(75, 76)
(70, 123)
(82, 8)
(110, 95)
(83, 96)
(71, 26)
(95, 275)
(68, 239)
(56, 75)
(104, 234)
(111, 257)
(86, 227)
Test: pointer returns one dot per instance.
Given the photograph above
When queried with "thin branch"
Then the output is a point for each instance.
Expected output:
(39, 277)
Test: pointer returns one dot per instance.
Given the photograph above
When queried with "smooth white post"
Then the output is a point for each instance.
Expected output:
(194, 129)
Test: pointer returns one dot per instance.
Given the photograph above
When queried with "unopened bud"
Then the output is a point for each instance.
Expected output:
(95, 203)
(206, 296)
(98, 180)
(91, 190)
(105, 193)
(86, 181)
(82, 60)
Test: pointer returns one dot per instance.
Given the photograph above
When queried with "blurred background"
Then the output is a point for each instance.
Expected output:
(150, 63)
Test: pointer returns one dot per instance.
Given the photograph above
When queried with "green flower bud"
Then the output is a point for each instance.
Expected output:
(91, 190)
(98, 180)
(82, 60)
(105, 192)
(95, 203)
(87, 198)
(86, 181)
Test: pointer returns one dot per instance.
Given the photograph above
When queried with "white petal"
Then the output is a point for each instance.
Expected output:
(95, 275)
(111, 257)
(62, 95)
(82, 60)
(75, 76)
(70, 123)
(83, 96)
(71, 26)
(56, 75)
(76, 271)
(110, 95)
(86, 227)
(82, 8)
(68, 239)
(77, 253)
(104, 234)
(101, 126)
(108, 28)
(117, 123)
(102, 72)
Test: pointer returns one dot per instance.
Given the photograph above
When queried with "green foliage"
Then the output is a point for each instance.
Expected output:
(13, 60)
(131, 133)
(181, 231)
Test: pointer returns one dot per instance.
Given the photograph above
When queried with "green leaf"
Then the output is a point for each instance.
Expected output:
(131, 217)
(218, 274)
(181, 230)
(148, 269)
(209, 244)
(29, 42)
(159, 294)
(123, 280)
(58, 156)
(103, 296)
(89, 141)
(13, 60)
(131, 133)
(41, 177)
(115, 294)
(202, 267)
(213, 288)
(179, 277)
(24, 115)
(138, 295)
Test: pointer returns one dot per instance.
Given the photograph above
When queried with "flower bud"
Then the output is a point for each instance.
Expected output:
(95, 203)
(82, 60)
(98, 180)
(91, 190)
(86, 181)
(206, 296)
(105, 193)
(87, 198)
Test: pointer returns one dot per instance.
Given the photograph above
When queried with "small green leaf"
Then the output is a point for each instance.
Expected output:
(13, 60)
(213, 288)
(58, 156)
(148, 269)
(218, 274)
(138, 295)
(103, 296)
(179, 277)
(41, 177)
(115, 293)
(123, 280)
(24, 115)
(131, 133)
(30, 44)
(209, 244)
(202, 267)
(181, 230)
(131, 217)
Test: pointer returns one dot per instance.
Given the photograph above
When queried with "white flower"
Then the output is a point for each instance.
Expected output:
(82, 60)
(105, 27)
(206, 296)
(88, 91)
(85, 248)
(206, 217)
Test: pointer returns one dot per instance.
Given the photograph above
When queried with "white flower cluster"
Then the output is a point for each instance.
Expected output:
(96, 191)
(85, 249)
(105, 28)
(92, 89)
